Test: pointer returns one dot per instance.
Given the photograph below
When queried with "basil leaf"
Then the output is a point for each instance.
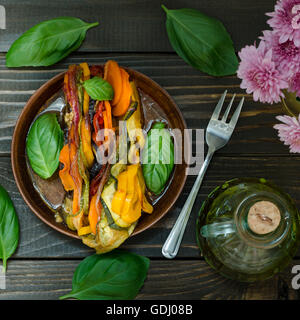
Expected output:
(117, 275)
(98, 89)
(201, 41)
(9, 227)
(48, 42)
(157, 158)
(43, 145)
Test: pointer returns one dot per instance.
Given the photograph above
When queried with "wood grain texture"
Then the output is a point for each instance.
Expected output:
(195, 93)
(176, 280)
(131, 25)
(43, 265)
(37, 240)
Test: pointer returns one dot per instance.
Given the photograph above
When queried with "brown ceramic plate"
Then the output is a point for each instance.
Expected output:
(24, 182)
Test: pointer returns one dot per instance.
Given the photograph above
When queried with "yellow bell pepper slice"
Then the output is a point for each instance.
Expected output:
(127, 204)
(146, 206)
(132, 172)
(132, 208)
(86, 143)
(122, 181)
(133, 169)
(120, 195)
(118, 201)
(129, 200)
(84, 230)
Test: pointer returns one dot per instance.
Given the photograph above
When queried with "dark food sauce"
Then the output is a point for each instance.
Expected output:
(52, 191)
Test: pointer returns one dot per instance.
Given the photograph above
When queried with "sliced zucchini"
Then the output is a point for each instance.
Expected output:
(67, 213)
(110, 220)
(133, 154)
(117, 168)
(132, 108)
(110, 180)
(122, 147)
(134, 127)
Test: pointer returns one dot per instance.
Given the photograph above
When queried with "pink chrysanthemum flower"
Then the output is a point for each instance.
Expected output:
(259, 74)
(285, 55)
(289, 132)
(295, 84)
(285, 20)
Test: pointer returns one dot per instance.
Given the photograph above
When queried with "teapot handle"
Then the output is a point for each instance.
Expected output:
(219, 228)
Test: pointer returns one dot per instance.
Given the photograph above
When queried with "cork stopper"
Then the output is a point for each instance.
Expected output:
(263, 217)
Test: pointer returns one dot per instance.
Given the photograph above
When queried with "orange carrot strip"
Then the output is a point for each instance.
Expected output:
(108, 114)
(105, 119)
(112, 74)
(93, 214)
(69, 175)
(64, 174)
(121, 107)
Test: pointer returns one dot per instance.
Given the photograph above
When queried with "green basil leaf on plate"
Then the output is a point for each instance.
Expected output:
(48, 42)
(117, 275)
(43, 145)
(157, 158)
(9, 227)
(98, 89)
(201, 41)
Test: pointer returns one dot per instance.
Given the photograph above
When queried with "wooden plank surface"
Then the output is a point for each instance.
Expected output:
(130, 25)
(195, 93)
(191, 280)
(39, 240)
(133, 33)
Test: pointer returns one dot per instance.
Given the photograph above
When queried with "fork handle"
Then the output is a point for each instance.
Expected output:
(172, 244)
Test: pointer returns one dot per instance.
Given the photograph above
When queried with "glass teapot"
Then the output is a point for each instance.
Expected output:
(248, 229)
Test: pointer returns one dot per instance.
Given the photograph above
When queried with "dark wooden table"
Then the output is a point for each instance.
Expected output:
(133, 33)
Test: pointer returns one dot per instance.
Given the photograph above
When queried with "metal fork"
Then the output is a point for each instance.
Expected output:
(218, 133)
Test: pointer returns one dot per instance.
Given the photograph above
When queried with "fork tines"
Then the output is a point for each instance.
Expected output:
(235, 116)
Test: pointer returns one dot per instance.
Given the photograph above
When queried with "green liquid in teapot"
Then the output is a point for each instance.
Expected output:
(248, 229)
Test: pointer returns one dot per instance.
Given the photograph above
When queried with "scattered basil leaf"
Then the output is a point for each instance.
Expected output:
(201, 41)
(43, 145)
(48, 42)
(9, 227)
(157, 158)
(117, 275)
(98, 89)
